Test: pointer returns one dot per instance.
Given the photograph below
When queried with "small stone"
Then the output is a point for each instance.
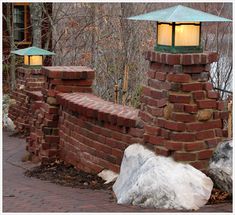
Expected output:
(85, 183)
(168, 111)
(204, 115)
(51, 100)
(178, 68)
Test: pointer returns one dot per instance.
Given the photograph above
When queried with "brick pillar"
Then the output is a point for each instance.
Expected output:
(28, 80)
(180, 109)
(44, 138)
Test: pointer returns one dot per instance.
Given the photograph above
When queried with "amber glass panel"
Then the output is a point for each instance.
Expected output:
(164, 34)
(34, 60)
(187, 35)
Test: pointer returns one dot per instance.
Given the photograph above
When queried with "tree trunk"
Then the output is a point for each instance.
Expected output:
(12, 45)
(36, 19)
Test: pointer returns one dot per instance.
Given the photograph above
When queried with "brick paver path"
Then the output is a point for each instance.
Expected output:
(23, 194)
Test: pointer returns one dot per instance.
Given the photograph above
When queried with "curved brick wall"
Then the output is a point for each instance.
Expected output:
(94, 133)
(182, 116)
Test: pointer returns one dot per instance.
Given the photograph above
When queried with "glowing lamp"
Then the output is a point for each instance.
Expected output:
(33, 56)
(179, 28)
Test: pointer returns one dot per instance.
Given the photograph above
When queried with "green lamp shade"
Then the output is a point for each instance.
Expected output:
(33, 56)
(179, 28)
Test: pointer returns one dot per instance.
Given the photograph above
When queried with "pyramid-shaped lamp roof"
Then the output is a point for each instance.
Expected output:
(32, 51)
(179, 14)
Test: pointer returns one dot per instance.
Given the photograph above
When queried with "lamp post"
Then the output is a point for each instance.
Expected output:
(179, 28)
(33, 56)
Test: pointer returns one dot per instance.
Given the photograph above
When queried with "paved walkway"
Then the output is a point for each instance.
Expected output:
(23, 194)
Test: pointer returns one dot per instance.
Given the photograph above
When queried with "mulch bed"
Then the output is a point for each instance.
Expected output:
(66, 175)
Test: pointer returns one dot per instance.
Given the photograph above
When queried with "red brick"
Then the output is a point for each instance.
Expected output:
(203, 104)
(206, 154)
(136, 132)
(212, 95)
(205, 134)
(173, 59)
(184, 156)
(179, 98)
(179, 78)
(190, 108)
(155, 66)
(183, 117)
(192, 87)
(200, 126)
(171, 125)
(163, 58)
(218, 132)
(156, 140)
(204, 59)
(165, 133)
(145, 116)
(151, 74)
(187, 59)
(178, 107)
(159, 84)
(155, 111)
(222, 105)
(162, 151)
(146, 91)
(193, 69)
(208, 86)
(185, 137)
(212, 57)
(196, 58)
(198, 95)
(158, 94)
(152, 130)
(161, 76)
(212, 143)
(174, 145)
(194, 146)
(199, 164)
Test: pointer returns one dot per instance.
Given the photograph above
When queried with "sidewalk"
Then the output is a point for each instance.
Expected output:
(23, 194)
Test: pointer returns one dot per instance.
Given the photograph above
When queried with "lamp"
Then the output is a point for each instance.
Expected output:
(33, 56)
(179, 28)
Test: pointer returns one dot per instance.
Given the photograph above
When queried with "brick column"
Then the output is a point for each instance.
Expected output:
(44, 138)
(28, 80)
(180, 109)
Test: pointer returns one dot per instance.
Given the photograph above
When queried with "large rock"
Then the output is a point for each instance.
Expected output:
(149, 180)
(221, 166)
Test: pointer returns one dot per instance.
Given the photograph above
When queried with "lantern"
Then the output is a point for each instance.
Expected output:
(179, 28)
(33, 56)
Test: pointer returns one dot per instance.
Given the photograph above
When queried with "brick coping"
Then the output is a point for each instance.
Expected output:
(94, 107)
(36, 95)
(205, 57)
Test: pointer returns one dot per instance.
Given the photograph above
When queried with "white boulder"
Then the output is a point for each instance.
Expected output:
(149, 180)
(8, 124)
(108, 176)
(221, 166)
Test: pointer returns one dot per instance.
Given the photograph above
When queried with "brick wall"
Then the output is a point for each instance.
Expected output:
(181, 115)
(29, 80)
(43, 141)
(181, 112)
(94, 133)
